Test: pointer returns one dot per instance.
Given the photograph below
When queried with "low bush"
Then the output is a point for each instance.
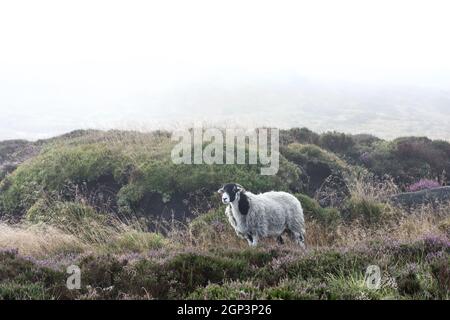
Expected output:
(136, 241)
(440, 269)
(23, 291)
(230, 290)
(423, 184)
(337, 142)
(329, 217)
(366, 210)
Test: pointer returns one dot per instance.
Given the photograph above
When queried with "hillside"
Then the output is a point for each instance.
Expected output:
(134, 173)
(114, 203)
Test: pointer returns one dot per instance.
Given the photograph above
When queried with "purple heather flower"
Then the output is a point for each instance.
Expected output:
(433, 256)
(365, 157)
(423, 184)
(9, 251)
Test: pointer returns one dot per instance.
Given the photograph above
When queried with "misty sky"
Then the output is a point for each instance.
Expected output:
(139, 64)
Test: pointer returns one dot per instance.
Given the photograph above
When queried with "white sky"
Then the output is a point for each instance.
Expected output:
(57, 56)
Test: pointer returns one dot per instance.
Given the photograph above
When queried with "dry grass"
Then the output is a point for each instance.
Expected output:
(423, 221)
(363, 185)
(38, 240)
(396, 223)
(42, 240)
(400, 226)
(116, 236)
(125, 236)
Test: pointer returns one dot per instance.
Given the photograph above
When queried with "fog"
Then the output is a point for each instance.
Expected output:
(354, 66)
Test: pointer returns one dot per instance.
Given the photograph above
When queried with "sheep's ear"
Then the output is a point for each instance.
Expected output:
(220, 191)
(239, 188)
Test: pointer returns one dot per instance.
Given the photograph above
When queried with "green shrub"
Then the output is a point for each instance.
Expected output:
(295, 289)
(53, 170)
(302, 153)
(180, 275)
(312, 210)
(10, 290)
(337, 142)
(167, 178)
(409, 284)
(314, 265)
(298, 135)
(75, 218)
(194, 270)
(253, 256)
(410, 159)
(331, 262)
(136, 241)
(353, 287)
(440, 269)
(232, 290)
(61, 213)
(102, 271)
(367, 210)
(21, 278)
(208, 220)
(308, 158)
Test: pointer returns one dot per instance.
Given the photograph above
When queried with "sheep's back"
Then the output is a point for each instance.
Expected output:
(281, 201)
(277, 210)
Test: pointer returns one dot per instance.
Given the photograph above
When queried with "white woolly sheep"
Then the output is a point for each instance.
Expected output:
(256, 216)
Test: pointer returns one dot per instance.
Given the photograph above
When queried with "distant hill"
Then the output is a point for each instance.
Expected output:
(284, 101)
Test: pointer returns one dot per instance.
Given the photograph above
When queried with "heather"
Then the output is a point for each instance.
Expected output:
(204, 259)
(411, 270)
(141, 227)
(423, 184)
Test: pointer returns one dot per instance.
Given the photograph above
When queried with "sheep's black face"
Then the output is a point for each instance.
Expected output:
(229, 192)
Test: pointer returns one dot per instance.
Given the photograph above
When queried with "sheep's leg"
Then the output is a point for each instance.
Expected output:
(254, 243)
(240, 234)
(252, 240)
(280, 239)
(249, 239)
(299, 239)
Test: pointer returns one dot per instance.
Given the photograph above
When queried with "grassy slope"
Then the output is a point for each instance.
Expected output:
(204, 259)
(137, 163)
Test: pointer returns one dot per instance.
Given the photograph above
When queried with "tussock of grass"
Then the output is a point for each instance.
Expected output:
(26, 291)
(39, 240)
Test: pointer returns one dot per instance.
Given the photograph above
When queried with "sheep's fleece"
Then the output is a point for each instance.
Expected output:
(256, 216)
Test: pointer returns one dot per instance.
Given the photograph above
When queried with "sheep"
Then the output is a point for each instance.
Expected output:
(270, 214)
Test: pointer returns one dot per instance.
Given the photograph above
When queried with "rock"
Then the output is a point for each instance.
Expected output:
(333, 192)
(423, 197)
